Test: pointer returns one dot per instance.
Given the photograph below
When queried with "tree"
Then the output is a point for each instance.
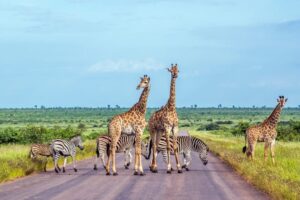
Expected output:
(108, 106)
(220, 106)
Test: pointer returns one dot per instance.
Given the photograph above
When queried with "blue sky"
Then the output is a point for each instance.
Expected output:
(92, 53)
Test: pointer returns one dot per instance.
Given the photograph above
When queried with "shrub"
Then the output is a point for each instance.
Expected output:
(240, 128)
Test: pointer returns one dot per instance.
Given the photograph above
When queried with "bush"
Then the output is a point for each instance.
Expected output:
(240, 128)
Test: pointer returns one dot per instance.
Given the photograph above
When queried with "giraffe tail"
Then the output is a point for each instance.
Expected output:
(245, 147)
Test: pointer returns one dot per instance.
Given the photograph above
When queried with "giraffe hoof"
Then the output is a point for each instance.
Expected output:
(115, 174)
(75, 170)
(107, 173)
(142, 174)
(154, 170)
(64, 170)
(168, 171)
(135, 173)
(179, 171)
(187, 169)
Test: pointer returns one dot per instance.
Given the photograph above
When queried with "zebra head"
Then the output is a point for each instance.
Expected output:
(77, 142)
(146, 150)
(203, 155)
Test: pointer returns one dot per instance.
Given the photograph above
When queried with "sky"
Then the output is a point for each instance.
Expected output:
(92, 53)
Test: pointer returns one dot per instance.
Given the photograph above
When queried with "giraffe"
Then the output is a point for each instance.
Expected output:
(264, 132)
(165, 122)
(130, 122)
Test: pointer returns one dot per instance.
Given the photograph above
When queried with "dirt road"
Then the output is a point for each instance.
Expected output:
(213, 181)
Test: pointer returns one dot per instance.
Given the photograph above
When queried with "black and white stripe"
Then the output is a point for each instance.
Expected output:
(186, 144)
(125, 145)
(65, 148)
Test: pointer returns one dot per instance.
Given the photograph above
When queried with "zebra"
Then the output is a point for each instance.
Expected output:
(41, 150)
(65, 148)
(125, 144)
(186, 144)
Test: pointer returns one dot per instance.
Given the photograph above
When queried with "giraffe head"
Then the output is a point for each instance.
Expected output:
(173, 70)
(281, 100)
(145, 82)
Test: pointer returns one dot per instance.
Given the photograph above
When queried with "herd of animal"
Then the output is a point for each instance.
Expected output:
(125, 131)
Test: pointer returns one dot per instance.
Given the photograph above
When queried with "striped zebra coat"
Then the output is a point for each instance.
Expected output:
(125, 145)
(186, 144)
(65, 148)
(43, 150)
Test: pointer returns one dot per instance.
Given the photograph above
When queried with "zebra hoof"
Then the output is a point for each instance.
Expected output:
(183, 166)
(64, 170)
(107, 173)
(115, 174)
(75, 170)
(95, 167)
(169, 172)
(56, 171)
(187, 169)
(172, 169)
(179, 171)
(135, 173)
(126, 167)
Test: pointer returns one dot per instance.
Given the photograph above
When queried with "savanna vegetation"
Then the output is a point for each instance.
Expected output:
(222, 128)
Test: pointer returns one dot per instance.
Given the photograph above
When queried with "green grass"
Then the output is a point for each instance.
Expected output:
(280, 180)
(14, 161)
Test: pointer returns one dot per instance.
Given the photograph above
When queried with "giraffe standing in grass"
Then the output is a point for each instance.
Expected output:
(130, 122)
(165, 122)
(264, 132)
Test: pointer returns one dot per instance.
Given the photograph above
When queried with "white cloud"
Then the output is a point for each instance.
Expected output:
(126, 66)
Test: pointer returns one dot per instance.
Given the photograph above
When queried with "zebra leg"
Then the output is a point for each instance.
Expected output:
(153, 166)
(126, 164)
(74, 162)
(102, 158)
(55, 158)
(184, 160)
(175, 145)
(273, 150)
(64, 167)
(188, 160)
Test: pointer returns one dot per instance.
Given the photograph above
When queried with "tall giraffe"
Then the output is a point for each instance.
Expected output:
(165, 122)
(130, 122)
(264, 132)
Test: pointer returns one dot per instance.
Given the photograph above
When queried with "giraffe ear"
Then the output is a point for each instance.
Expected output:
(286, 99)
(168, 69)
(141, 78)
(148, 78)
(278, 100)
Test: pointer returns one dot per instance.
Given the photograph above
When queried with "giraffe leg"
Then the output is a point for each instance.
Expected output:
(168, 131)
(273, 150)
(138, 161)
(175, 145)
(266, 149)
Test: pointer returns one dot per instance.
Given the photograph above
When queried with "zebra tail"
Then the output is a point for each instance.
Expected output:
(150, 147)
(107, 150)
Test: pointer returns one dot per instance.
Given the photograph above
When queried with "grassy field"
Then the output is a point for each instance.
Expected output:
(281, 181)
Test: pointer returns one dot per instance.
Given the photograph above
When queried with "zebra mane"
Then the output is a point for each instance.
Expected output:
(197, 141)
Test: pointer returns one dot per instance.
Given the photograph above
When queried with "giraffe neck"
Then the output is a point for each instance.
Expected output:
(172, 99)
(141, 105)
(273, 119)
